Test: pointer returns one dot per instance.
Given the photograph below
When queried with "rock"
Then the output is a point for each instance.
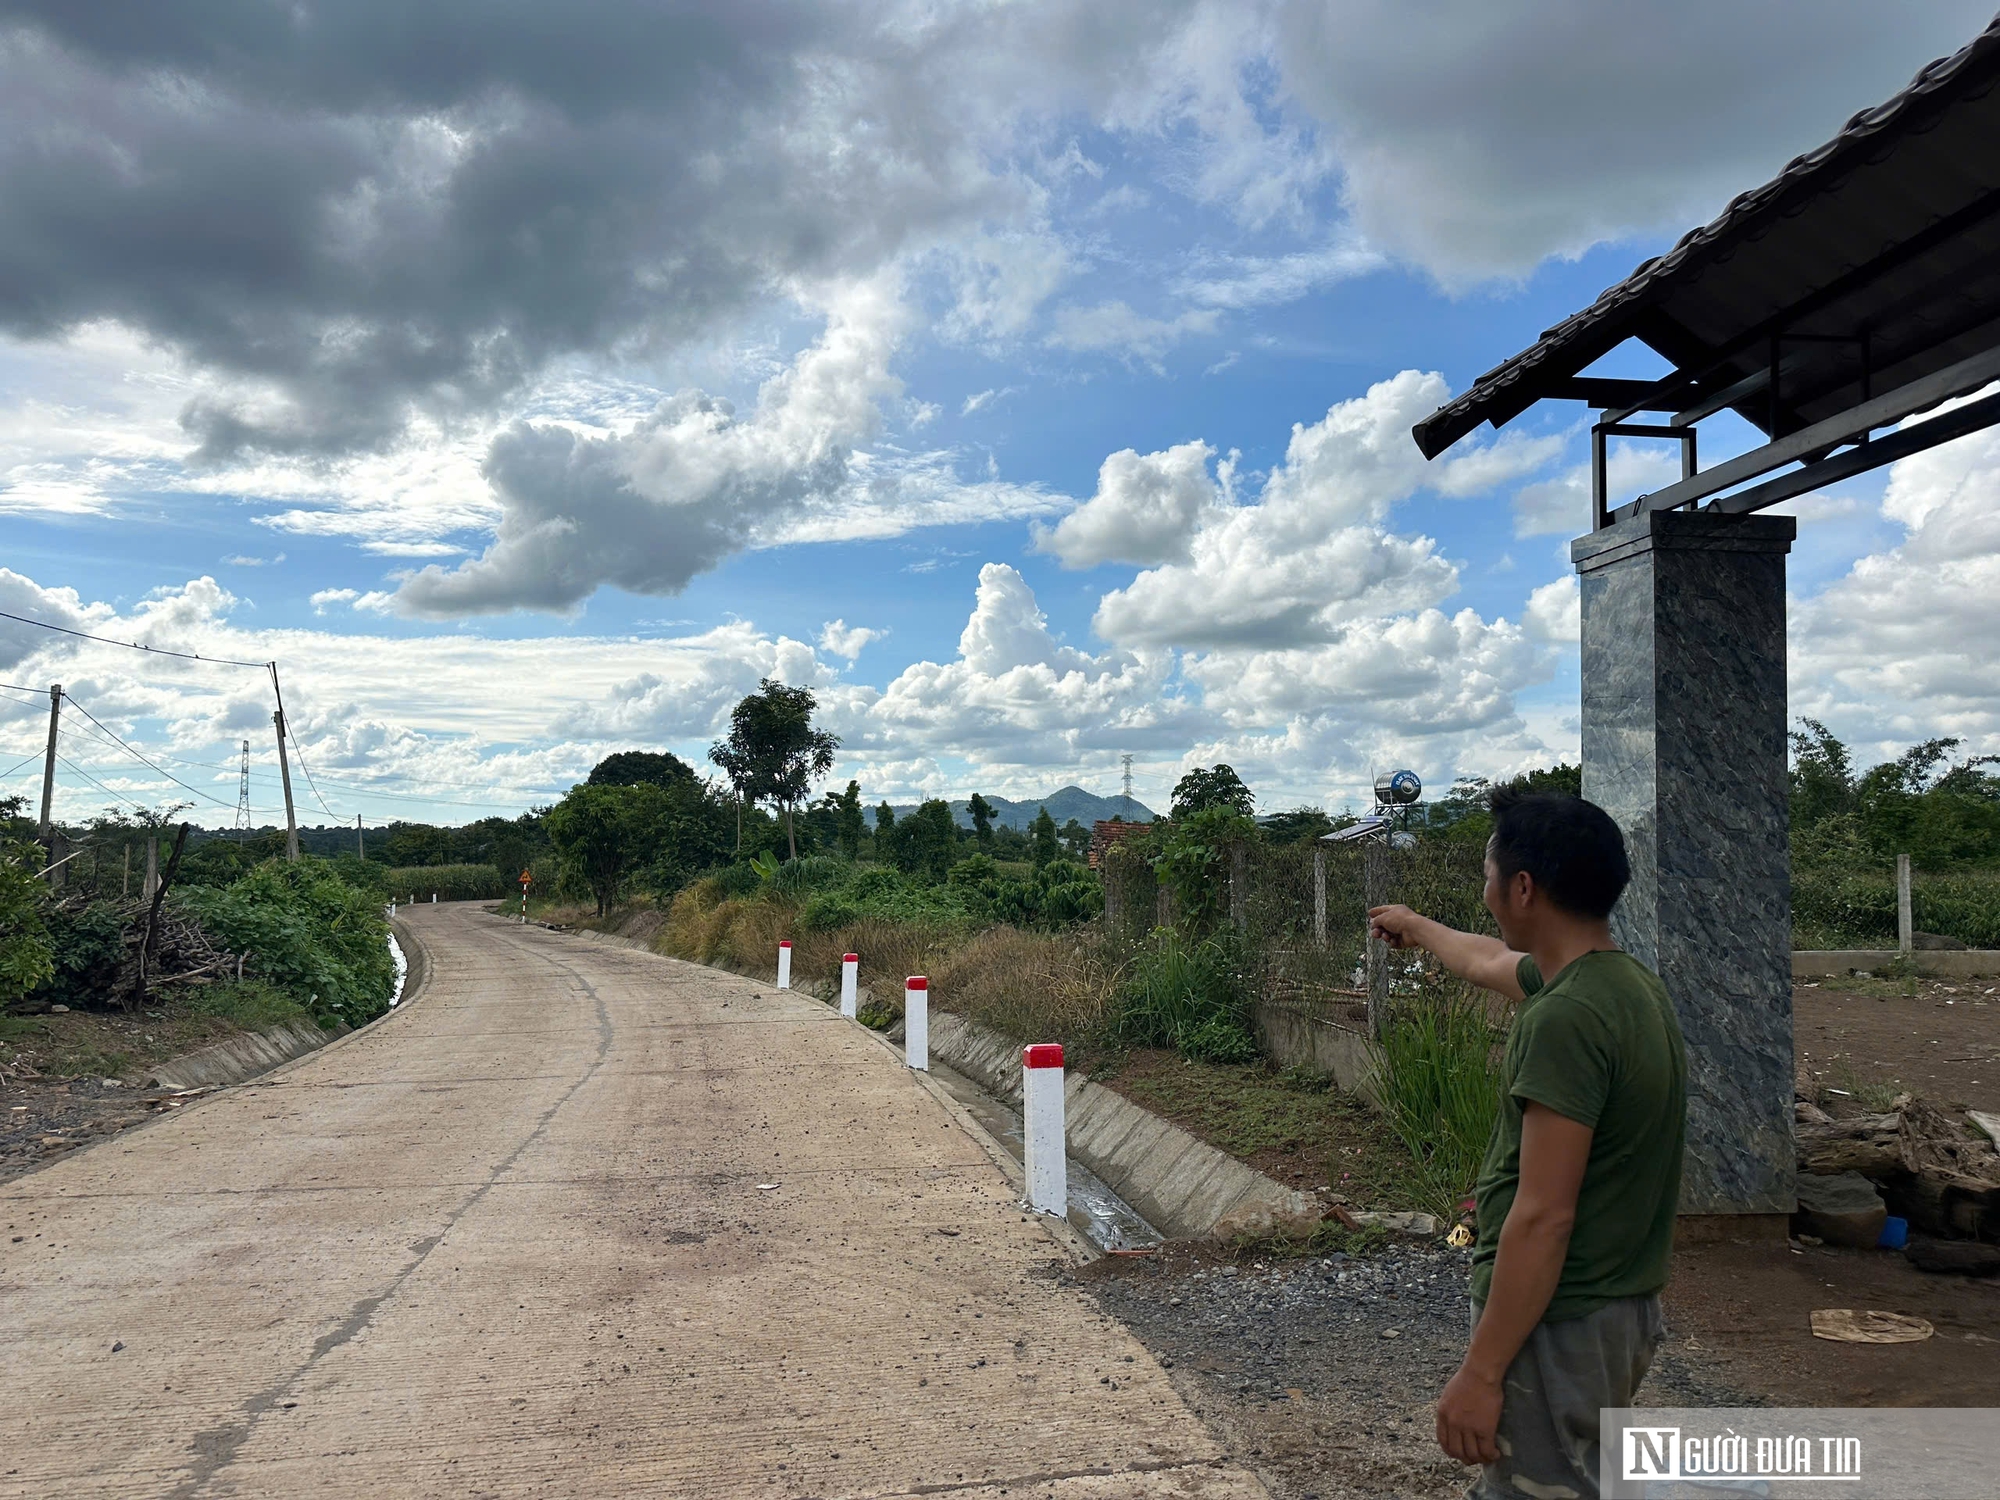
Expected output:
(1842, 1209)
(58, 1010)
(1423, 1226)
(1935, 942)
(1293, 1216)
(1953, 1257)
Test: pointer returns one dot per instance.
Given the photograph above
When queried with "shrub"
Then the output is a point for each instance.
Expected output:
(1848, 908)
(87, 943)
(1437, 1083)
(1187, 995)
(311, 935)
(798, 878)
(26, 956)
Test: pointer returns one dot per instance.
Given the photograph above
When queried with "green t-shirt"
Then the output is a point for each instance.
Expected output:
(1600, 1045)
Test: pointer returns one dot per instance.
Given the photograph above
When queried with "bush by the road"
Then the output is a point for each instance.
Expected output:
(313, 936)
(1849, 908)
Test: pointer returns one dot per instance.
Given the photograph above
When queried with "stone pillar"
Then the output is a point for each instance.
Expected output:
(1684, 721)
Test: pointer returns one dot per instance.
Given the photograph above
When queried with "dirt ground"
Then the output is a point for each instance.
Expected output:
(70, 1078)
(1942, 1043)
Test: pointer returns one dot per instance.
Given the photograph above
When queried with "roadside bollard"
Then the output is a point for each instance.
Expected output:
(917, 1022)
(1047, 1155)
(434, 898)
(785, 965)
(850, 968)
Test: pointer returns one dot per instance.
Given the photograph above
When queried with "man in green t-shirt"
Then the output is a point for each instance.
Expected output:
(1577, 1195)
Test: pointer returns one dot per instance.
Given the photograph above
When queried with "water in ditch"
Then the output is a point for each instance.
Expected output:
(1095, 1212)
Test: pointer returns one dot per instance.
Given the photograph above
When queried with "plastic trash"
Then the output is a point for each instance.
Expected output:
(1895, 1233)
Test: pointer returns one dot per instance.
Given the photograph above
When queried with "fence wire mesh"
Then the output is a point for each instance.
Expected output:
(1301, 913)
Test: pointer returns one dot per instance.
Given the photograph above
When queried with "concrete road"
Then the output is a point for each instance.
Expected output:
(576, 1221)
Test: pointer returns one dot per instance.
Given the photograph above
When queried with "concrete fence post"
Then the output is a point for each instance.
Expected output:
(850, 970)
(917, 1022)
(1905, 923)
(1046, 1158)
(785, 964)
(434, 898)
(1375, 874)
(1239, 888)
(1319, 896)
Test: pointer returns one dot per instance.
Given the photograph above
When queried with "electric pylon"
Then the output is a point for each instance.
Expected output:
(243, 797)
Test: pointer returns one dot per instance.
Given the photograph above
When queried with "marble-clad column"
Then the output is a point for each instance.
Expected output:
(1684, 722)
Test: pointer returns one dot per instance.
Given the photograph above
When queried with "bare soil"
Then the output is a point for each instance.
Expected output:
(1941, 1042)
(67, 1079)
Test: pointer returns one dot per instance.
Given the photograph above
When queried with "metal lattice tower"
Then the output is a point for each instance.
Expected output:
(1126, 760)
(243, 796)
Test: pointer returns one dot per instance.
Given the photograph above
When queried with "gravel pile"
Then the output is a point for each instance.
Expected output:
(1322, 1372)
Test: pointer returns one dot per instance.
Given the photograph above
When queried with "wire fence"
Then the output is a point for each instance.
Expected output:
(1300, 912)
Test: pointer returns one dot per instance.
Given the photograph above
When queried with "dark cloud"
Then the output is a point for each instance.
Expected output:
(360, 209)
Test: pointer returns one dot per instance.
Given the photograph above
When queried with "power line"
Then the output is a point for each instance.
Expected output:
(114, 796)
(7, 775)
(140, 758)
(105, 640)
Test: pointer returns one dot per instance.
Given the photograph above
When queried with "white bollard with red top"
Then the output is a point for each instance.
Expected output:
(917, 1022)
(785, 965)
(850, 968)
(1047, 1156)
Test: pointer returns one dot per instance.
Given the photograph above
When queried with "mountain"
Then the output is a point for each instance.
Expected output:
(1069, 802)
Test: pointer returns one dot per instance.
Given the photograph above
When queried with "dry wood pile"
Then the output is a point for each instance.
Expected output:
(180, 950)
(1930, 1169)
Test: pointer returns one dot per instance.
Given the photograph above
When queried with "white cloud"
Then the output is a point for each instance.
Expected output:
(1555, 611)
(1901, 648)
(1114, 328)
(1310, 555)
(1247, 281)
(1146, 510)
(1561, 506)
(324, 598)
(838, 638)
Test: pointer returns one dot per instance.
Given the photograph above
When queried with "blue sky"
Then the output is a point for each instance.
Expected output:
(1034, 382)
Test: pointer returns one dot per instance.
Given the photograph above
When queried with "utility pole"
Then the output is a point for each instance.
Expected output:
(285, 774)
(243, 798)
(49, 764)
(360, 844)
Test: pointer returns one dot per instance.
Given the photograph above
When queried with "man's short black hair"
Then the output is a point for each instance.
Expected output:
(1571, 847)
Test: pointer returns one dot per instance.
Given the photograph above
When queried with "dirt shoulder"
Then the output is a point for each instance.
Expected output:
(1289, 1126)
(70, 1078)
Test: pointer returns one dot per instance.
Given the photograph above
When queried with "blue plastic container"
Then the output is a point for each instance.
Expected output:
(1895, 1233)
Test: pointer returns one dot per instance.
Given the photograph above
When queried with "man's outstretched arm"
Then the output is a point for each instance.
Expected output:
(1486, 962)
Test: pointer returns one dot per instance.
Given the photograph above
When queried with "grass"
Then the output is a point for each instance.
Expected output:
(1848, 1086)
(1293, 1126)
(1440, 1090)
(251, 1004)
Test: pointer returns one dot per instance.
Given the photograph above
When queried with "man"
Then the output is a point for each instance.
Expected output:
(1577, 1195)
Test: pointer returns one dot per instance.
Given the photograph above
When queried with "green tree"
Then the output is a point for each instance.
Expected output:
(27, 958)
(773, 753)
(982, 821)
(1075, 839)
(1298, 826)
(1212, 786)
(851, 827)
(641, 767)
(1042, 839)
(885, 820)
(925, 842)
(597, 833)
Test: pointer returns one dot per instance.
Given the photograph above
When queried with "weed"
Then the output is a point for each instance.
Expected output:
(251, 1004)
(1437, 1083)
(1875, 1097)
(1187, 995)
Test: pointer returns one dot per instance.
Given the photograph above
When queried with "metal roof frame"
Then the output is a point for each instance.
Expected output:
(1858, 288)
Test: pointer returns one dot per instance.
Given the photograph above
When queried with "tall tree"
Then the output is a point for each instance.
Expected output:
(982, 821)
(885, 819)
(773, 753)
(1212, 786)
(596, 832)
(848, 821)
(1042, 839)
(640, 767)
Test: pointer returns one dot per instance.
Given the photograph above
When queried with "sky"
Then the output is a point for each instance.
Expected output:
(1032, 381)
